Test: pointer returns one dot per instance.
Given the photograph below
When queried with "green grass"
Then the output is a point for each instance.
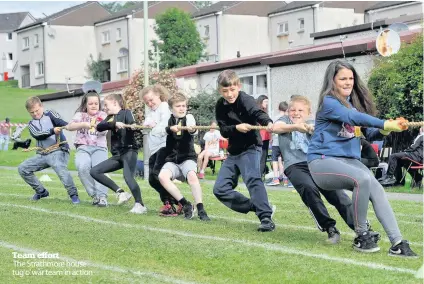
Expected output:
(226, 250)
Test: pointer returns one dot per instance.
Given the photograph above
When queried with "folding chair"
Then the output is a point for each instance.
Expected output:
(223, 145)
(413, 165)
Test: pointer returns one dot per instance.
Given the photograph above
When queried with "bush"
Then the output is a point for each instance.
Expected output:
(397, 84)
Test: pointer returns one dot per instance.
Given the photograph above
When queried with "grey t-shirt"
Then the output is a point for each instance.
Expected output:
(290, 156)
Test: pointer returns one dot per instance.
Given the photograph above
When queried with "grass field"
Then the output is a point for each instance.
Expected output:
(110, 245)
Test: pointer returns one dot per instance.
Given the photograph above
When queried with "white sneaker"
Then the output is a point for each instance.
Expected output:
(138, 209)
(102, 202)
(123, 197)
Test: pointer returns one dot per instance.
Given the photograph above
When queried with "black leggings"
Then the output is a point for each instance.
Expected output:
(128, 162)
(156, 162)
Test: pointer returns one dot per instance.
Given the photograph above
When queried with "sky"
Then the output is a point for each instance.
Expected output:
(36, 8)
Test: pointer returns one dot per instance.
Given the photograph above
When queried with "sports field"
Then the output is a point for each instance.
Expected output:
(87, 244)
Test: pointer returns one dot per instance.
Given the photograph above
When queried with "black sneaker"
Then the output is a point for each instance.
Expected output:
(38, 196)
(366, 243)
(203, 216)
(333, 235)
(266, 225)
(403, 250)
(375, 235)
(188, 211)
(389, 181)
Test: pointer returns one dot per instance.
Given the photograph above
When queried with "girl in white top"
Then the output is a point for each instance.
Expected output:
(91, 145)
(156, 99)
(211, 138)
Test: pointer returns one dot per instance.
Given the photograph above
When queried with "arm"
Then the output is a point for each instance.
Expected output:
(191, 121)
(225, 129)
(414, 146)
(253, 110)
(38, 134)
(160, 128)
(106, 124)
(373, 134)
(56, 118)
(76, 124)
(332, 109)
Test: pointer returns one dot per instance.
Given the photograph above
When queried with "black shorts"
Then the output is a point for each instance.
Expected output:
(276, 153)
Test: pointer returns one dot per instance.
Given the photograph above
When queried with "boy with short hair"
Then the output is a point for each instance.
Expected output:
(44, 127)
(235, 113)
(181, 157)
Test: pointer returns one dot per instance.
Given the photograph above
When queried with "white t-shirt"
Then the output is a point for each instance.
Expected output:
(212, 139)
(157, 136)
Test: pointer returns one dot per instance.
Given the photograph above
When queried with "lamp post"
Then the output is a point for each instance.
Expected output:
(4, 60)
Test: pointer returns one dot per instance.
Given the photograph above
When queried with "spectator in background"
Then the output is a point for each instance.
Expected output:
(368, 155)
(211, 139)
(262, 102)
(5, 134)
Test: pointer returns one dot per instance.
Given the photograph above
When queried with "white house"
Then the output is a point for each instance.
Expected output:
(8, 39)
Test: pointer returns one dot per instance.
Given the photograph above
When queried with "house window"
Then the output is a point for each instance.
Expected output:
(10, 56)
(118, 34)
(105, 37)
(35, 40)
(301, 24)
(25, 43)
(122, 64)
(39, 69)
(9, 36)
(254, 85)
(207, 31)
(283, 28)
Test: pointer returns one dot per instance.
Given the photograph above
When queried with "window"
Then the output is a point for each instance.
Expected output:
(10, 56)
(39, 69)
(35, 40)
(118, 34)
(283, 28)
(206, 31)
(105, 37)
(25, 43)
(9, 36)
(122, 64)
(301, 24)
(254, 85)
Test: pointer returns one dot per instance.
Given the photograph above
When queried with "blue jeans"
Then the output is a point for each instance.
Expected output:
(4, 139)
(57, 160)
(248, 165)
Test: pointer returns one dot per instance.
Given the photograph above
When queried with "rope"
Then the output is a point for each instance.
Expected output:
(51, 148)
(414, 124)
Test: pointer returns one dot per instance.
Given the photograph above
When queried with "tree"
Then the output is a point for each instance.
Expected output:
(115, 6)
(182, 45)
(96, 68)
(202, 4)
(397, 84)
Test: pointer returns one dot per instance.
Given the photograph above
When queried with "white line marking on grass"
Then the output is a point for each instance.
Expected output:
(266, 246)
(238, 220)
(123, 270)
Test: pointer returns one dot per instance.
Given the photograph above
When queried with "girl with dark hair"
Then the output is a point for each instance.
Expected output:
(91, 145)
(262, 102)
(124, 149)
(345, 105)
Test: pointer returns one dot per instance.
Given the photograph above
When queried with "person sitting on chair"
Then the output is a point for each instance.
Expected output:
(397, 161)
(368, 156)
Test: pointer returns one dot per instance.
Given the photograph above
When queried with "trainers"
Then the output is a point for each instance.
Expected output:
(138, 209)
(375, 235)
(203, 216)
(333, 235)
(75, 199)
(289, 184)
(201, 175)
(95, 200)
(366, 243)
(274, 181)
(402, 250)
(167, 210)
(266, 225)
(188, 211)
(123, 197)
(390, 180)
(102, 202)
(38, 196)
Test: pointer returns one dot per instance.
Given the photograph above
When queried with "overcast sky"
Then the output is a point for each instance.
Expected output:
(36, 8)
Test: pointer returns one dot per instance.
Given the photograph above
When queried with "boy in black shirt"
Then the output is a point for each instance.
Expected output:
(236, 112)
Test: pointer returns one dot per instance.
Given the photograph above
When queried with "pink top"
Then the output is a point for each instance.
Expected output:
(4, 129)
(90, 137)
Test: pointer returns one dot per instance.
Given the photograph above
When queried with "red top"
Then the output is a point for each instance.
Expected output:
(265, 135)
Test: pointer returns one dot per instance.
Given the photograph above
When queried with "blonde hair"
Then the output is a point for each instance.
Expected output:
(118, 98)
(32, 101)
(157, 90)
(228, 78)
(176, 98)
(298, 98)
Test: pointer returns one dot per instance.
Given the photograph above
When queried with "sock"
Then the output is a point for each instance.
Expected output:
(183, 201)
(119, 190)
(199, 206)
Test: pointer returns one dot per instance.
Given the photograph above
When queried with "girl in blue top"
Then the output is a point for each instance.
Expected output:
(345, 105)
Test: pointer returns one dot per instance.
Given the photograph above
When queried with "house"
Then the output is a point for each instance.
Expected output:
(233, 29)
(52, 52)
(291, 25)
(120, 37)
(394, 9)
(8, 39)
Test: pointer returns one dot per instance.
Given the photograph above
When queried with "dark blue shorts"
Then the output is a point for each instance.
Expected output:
(276, 153)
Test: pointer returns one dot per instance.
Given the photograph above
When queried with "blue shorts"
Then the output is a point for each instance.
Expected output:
(276, 152)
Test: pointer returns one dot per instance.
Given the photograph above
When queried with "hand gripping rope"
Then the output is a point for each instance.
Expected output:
(49, 149)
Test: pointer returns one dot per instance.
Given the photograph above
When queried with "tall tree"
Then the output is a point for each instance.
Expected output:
(182, 45)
